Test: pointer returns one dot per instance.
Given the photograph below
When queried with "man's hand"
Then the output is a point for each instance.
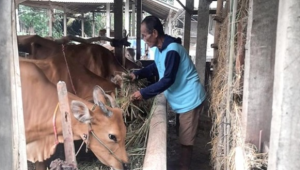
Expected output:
(130, 76)
(136, 96)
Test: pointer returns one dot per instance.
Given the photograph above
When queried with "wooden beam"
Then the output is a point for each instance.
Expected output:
(202, 32)
(107, 20)
(93, 25)
(217, 29)
(118, 26)
(50, 12)
(133, 20)
(189, 10)
(138, 28)
(187, 25)
(127, 16)
(65, 22)
(157, 141)
(82, 25)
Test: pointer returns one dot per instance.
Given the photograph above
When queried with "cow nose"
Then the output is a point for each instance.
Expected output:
(126, 166)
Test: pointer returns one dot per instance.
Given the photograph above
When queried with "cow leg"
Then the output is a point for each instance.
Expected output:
(40, 166)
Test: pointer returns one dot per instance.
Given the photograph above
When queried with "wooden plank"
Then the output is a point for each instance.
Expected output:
(156, 154)
(66, 123)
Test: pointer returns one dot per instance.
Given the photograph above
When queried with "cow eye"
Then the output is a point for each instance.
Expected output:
(112, 137)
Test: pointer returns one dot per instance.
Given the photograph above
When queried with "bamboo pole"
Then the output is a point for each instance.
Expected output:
(230, 54)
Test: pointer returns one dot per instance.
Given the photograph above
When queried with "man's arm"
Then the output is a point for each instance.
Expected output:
(145, 72)
(171, 64)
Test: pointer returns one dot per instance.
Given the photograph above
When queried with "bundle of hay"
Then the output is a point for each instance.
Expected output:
(137, 115)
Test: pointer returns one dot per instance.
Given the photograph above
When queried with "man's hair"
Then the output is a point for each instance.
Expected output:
(153, 23)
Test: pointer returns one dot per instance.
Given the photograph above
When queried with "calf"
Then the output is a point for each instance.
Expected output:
(39, 101)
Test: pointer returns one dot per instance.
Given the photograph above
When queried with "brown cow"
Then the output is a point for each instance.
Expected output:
(39, 102)
(94, 57)
(38, 47)
(83, 80)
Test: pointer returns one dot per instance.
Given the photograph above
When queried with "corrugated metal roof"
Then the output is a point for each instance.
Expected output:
(154, 7)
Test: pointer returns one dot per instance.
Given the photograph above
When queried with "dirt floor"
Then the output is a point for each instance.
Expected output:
(201, 151)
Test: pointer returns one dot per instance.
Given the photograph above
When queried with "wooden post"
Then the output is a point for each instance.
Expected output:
(50, 12)
(202, 32)
(66, 123)
(82, 24)
(127, 16)
(187, 24)
(65, 22)
(118, 26)
(93, 25)
(133, 21)
(108, 19)
(217, 28)
(12, 143)
(138, 28)
(157, 140)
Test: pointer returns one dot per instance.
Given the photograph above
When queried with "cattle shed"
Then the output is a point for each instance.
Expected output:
(132, 17)
(252, 88)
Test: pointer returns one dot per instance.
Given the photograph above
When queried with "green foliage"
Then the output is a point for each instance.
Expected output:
(37, 19)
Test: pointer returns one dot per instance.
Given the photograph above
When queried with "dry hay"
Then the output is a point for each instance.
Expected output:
(218, 91)
(137, 115)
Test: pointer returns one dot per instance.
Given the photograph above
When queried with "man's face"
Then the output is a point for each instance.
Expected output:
(150, 39)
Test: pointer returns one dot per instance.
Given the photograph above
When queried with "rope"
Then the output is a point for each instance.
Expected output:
(63, 50)
(111, 152)
(79, 148)
(54, 125)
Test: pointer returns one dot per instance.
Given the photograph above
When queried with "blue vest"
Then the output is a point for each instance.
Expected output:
(187, 92)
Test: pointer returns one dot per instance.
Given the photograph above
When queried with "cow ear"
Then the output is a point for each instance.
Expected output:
(99, 95)
(80, 111)
(99, 99)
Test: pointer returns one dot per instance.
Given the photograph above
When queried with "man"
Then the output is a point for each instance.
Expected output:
(179, 81)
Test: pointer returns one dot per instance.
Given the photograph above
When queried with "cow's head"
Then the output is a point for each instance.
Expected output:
(107, 130)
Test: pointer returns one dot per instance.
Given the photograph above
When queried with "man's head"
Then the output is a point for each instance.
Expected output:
(152, 31)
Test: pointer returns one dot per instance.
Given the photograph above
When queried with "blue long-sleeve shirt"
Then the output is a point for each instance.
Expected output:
(171, 64)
